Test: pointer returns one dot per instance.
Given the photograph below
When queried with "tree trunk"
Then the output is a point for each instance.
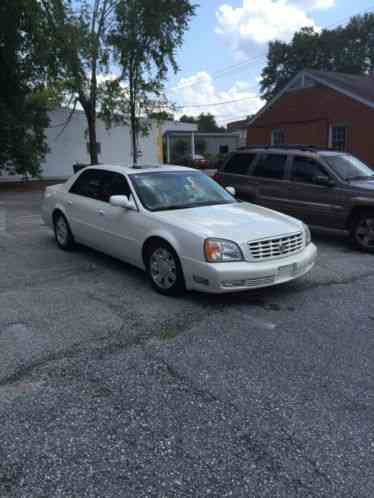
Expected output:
(91, 122)
(133, 123)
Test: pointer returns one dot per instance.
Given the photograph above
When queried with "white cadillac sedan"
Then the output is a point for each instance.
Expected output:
(180, 226)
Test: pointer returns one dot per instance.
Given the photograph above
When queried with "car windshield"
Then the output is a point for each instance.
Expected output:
(162, 191)
(349, 167)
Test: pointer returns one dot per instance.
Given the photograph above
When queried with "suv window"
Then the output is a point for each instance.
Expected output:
(271, 166)
(239, 164)
(88, 184)
(305, 169)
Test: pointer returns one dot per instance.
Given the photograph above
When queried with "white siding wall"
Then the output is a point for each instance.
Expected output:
(68, 146)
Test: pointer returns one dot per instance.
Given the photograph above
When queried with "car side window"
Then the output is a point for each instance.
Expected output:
(88, 184)
(306, 169)
(271, 166)
(239, 164)
(114, 184)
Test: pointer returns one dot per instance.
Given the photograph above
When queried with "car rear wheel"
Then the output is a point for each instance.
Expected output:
(164, 269)
(63, 235)
(363, 232)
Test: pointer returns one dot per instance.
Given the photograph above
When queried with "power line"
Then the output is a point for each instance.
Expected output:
(239, 66)
(252, 97)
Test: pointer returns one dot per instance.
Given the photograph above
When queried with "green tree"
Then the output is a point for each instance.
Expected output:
(145, 37)
(80, 53)
(348, 49)
(206, 123)
(24, 99)
(161, 116)
(187, 119)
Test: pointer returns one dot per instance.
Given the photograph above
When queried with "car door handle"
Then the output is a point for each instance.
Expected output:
(101, 212)
(70, 203)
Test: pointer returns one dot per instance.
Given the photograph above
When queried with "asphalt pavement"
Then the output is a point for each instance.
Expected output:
(108, 389)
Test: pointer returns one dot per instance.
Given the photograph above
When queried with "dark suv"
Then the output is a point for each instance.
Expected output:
(322, 187)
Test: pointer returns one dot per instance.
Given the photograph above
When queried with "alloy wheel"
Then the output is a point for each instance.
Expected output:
(62, 231)
(163, 268)
(365, 233)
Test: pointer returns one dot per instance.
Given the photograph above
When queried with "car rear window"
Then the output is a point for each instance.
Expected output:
(271, 166)
(239, 164)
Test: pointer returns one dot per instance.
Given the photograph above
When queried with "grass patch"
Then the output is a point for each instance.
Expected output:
(168, 334)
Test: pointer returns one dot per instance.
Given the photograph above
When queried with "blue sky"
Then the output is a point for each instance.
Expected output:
(228, 33)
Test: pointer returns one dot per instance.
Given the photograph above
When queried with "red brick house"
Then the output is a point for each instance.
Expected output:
(320, 108)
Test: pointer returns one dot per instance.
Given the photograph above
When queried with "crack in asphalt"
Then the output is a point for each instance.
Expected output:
(271, 462)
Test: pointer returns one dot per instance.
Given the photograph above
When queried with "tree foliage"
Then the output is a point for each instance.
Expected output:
(24, 99)
(145, 37)
(206, 123)
(348, 49)
(112, 56)
(80, 53)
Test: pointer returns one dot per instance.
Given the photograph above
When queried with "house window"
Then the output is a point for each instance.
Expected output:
(339, 137)
(223, 149)
(98, 147)
(278, 137)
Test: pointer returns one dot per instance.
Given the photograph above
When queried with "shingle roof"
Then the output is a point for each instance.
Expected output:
(238, 124)
(360, 85)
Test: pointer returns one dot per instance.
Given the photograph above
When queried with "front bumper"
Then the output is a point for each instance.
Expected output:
(234, 277)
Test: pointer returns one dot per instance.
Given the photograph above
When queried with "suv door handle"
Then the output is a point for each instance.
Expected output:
(70, 203)
(101, 212)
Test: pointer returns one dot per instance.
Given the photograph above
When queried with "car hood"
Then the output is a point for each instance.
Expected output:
(240, 222)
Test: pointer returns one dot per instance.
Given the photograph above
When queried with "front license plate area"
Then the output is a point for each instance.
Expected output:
(287, 270)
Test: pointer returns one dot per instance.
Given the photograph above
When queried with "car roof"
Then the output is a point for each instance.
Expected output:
(141, 168)
(290, 149)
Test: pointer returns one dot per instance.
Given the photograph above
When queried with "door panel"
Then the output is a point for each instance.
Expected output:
(269, 175)
(235, 174)
(83, 205)
(315, 204)
(118, 230)
(120, 233)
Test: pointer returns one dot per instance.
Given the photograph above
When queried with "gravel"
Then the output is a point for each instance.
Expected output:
(108, 389)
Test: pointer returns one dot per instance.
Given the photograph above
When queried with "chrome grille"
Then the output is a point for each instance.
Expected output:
(254, 282)
(277, 247)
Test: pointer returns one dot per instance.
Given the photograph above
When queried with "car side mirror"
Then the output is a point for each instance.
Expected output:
(122, 201)
(231, 190)
(324, 181)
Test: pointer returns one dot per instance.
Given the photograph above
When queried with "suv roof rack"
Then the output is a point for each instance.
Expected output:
(304, 148)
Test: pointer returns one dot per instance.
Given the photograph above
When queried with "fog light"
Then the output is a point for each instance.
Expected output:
(201, 280)
(233, 283)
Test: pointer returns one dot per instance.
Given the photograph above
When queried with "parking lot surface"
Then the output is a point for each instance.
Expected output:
(108, 389)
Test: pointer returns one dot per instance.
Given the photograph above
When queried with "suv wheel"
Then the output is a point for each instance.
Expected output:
(63, 235)
(164, 269)
(363, 232)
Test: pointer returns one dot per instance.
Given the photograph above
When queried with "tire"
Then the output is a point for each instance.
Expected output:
(362, 232)
(63, 235)
(164, 269)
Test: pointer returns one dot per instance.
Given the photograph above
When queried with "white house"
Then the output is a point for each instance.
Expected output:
(69, 145)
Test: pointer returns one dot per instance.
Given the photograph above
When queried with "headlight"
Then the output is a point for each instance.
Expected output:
(308, 237)
(221, 251)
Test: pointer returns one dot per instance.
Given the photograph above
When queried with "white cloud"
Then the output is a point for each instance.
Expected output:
(199, 90)
(260, 21)
(322, 4)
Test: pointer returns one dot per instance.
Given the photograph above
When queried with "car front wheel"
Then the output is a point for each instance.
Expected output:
(63, 235)
(363, 232)
(164, 269)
